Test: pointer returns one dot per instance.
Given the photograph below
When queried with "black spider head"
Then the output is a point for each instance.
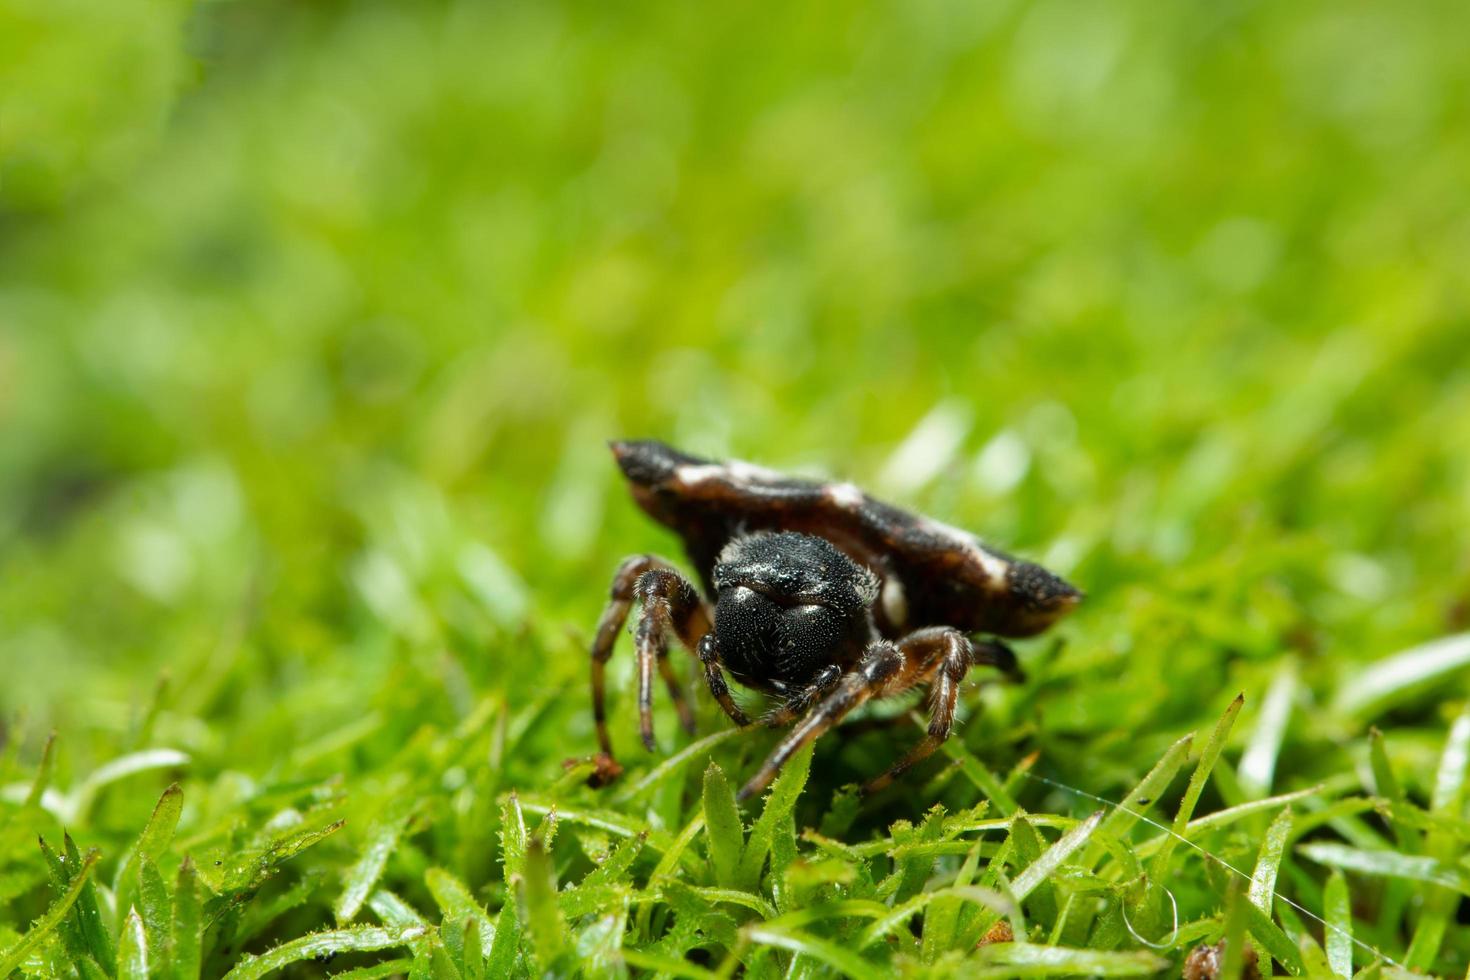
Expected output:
(789, 604)
(1038, 599)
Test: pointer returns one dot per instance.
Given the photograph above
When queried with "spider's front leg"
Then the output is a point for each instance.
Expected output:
(670, 604)
(940, 656)
(881, 664)
(800, 702)
(709, 655)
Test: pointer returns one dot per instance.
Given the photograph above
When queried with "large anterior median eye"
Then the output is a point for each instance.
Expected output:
(747, 625)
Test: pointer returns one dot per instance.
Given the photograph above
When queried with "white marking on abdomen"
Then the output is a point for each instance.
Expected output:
(693, 473)
(845, 495)
(735, 471)
(751, 473)
(995, 566)
(895, 603)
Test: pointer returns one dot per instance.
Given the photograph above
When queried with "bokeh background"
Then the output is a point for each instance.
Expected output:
(314, 319)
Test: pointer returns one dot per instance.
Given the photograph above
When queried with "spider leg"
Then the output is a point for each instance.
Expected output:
(942, 656)
(881, 663)
(805, 698)
(709, 655)
(670, 604)
(993, 653)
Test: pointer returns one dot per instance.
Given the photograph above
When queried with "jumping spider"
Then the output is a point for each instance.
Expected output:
(814, 593)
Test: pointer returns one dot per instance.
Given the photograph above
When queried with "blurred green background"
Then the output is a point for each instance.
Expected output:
(314, 319)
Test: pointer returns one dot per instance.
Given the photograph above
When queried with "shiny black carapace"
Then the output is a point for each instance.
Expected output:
(814, 593)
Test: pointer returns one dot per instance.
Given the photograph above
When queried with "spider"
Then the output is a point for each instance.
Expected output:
(814, 593)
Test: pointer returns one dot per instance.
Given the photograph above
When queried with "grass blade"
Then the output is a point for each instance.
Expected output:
(780, 801)
(1389, 864)
(377, 971)
(1030, 845)
(887, 921)
(79, 802)
(733, 896)
(88, 910)
(1142, 796)
(506, 945)
(1197, 781)
(1387, 785)
(156, 908)
(723, 829)
(836, 956)
(394, 911)
(674, 763)
(1449, 780)
(70, 927)
(357, 939)
(456, 901)
(473, 955)
(1272, 938)
(1027, 960)
(1229, 815)
(599, 819)
(1234, 939)
(43, 773)
(664, 965)
(943, 920)
(362, 876)
(610, 870)
(513, 837)
(162, 824)
(1339, 931)
(1261, 892)
(1446, 803)
(242, 871)
(1263, 881)
(188, 925)
(132, 949)
(157, 835)
(1402, 676)
(1257, 768)
(11, 958)
(984, 780)
(1043, 867)
(539, 906)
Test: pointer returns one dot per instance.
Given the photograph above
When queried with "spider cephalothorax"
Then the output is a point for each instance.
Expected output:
(788, 605)
(812, 592)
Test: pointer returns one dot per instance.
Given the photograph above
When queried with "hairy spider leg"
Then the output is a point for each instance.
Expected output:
(802, 701)
(942, 656)
(881, 663)
(994, 653)
(669, 604)
(714, 676)
(939, 656)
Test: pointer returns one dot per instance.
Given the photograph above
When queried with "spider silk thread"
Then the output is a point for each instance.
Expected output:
(1366, 947)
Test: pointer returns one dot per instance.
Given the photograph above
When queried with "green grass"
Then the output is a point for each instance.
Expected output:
(314, 320)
